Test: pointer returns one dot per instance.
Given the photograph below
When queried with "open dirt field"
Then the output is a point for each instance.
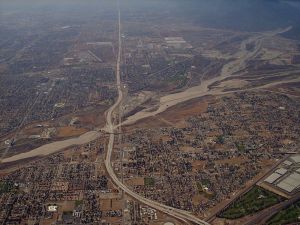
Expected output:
(135, 181)
(174, 116)
(70, 131)
(111, 204)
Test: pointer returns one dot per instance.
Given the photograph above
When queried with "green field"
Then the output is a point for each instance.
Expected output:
(253, 201)
(201, 184)
(5, 187)
(78, 203)
(286, 216)
(201, 190)
(149, 181)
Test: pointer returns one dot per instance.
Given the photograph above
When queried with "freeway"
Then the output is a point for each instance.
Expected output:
(182, 215)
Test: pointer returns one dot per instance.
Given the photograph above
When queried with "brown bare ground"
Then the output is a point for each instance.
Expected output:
(135, 181)
(49, 221)
(3, 174)
(194, 107)
(111, 204)
(274, 190)
(198, 165)
(174, 116)
(93, 118)
(266, 163)
(198, 198)
(70, 131)
(188, 149)
(32, 131)
(151, 122)
(67, 205)
(105, 204)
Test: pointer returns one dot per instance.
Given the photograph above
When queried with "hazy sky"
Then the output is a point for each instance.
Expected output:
(231, 14)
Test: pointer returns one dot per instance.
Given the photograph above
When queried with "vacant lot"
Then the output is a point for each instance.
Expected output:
(135, 181)
(70, 131)
(111, 204)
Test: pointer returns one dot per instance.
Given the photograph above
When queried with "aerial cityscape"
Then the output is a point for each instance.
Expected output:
(150, 112)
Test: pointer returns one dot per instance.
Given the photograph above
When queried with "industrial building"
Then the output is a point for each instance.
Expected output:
(285, 178)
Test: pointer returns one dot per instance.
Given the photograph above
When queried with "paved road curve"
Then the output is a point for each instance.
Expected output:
(179, 214)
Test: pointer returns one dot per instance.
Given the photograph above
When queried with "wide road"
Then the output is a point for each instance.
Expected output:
(182, 215)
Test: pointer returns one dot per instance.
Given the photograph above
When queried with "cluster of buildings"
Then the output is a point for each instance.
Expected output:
(158, 64)
(216, 153)
(26, 100)
(64, 188)
(140, 214)
(70, 187)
